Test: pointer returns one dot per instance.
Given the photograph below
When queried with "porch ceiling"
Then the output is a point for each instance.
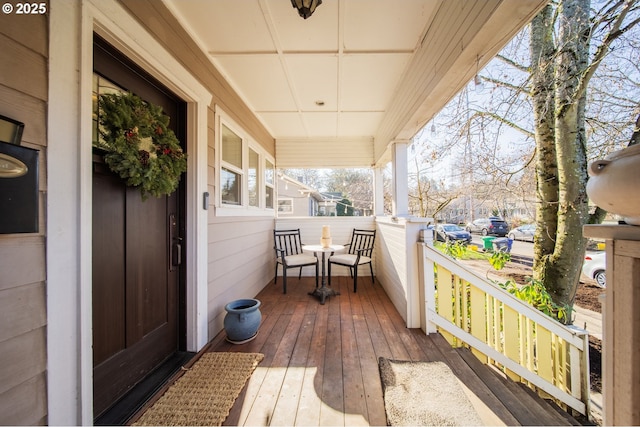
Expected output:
(380, 68)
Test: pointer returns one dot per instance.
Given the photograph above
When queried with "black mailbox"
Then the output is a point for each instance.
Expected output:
(18, 189)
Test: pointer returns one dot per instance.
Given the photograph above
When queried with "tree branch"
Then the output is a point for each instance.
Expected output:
(514, 64)
(503, 120)
(519, 89)
(615, 32)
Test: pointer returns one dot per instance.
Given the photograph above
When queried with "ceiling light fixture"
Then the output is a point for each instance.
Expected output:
(306, 7)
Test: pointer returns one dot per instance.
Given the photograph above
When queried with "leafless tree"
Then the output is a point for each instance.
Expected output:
(562, 93)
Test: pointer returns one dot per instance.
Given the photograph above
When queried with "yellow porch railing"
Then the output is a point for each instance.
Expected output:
(501, 330)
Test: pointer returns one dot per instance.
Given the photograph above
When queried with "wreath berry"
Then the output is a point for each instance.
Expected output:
(140, 148)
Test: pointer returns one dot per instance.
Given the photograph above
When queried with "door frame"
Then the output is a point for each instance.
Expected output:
(69, 193)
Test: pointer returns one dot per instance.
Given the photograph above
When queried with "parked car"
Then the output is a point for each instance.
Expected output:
(451, 233)
(594, 267)
(524, 232)
(489, 226)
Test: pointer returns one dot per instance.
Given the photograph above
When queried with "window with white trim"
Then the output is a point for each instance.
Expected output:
(254, 181)
(231, 170)
(246, 177)
(269, 174)
(285, 206)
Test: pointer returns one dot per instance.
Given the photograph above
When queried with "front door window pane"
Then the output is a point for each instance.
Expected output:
(101, 86)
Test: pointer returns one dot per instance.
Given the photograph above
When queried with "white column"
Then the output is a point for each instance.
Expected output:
(400, 178)
(378, 191)
(69, 396)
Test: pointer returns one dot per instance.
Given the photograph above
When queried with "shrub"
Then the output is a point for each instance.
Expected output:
(535, 294)
(499, 259)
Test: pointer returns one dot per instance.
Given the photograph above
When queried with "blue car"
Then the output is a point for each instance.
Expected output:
(451, 233)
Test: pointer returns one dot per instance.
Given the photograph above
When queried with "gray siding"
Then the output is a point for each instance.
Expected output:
(23, 97)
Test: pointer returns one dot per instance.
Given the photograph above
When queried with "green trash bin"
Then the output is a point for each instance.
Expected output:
(487, 243)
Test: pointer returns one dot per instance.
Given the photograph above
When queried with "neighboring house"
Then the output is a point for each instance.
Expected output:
(296, 198)
(329, 204)
(110, 285)
(465, 209)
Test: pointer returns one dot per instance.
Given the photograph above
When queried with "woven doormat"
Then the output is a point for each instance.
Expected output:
(205, 394)
(424, 394)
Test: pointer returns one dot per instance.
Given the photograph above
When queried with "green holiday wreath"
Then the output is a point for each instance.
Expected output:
(140, 148)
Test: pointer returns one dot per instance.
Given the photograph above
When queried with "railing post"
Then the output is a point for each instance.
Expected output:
(429, 285)
(579, 363)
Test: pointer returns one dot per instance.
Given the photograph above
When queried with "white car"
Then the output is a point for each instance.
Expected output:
(594, 267)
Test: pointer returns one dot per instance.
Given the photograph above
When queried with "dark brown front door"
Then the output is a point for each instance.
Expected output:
(136, 257)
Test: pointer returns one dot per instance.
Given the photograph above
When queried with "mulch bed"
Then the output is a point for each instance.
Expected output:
(595, 363)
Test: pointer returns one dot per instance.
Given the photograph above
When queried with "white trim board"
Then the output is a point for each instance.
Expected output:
(69, 198)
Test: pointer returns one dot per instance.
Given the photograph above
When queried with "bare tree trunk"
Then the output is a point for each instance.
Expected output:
(559, 269)
(543, 97)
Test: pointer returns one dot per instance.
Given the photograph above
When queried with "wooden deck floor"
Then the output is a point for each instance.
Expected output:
(321, 362)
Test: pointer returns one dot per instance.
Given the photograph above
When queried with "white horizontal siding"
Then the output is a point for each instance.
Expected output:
(324, 153)
(398, 264)
(240, 262)
(392, 256)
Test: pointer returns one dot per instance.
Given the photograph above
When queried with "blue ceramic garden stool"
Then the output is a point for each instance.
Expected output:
(242, 320)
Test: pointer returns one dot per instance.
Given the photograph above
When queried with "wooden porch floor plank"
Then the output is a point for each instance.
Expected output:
(332, 410)
(372, 406)
(527, 409)
(266, 398)
(378, 339)
(397, 347)
(551, 407)
(414, 351)
(310, 403)
(428, 347)
(277, 351)
(292, 354)
(321, 361)
(370, 373)
(468, 376)
(355, 409)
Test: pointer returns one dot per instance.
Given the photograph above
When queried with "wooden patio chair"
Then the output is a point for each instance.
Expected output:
(289, 254)
(359, 253)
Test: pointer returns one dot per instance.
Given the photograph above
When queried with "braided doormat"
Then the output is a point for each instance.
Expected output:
(205, 394)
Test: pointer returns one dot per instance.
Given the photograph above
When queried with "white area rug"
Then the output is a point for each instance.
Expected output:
(424, 393)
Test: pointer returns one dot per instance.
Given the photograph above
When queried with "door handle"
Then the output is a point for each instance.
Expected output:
(175, 243)
(177, 252)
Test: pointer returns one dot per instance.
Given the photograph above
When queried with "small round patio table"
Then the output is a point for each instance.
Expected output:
(323, 291)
